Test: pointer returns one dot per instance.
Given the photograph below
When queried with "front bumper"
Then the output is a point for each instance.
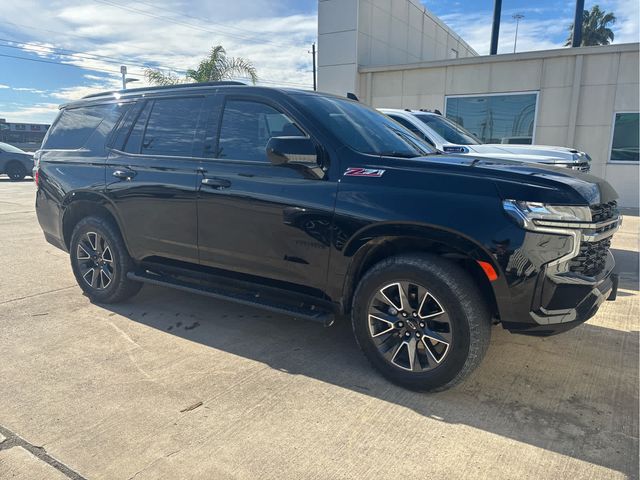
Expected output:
(561, 295)
(587, 300)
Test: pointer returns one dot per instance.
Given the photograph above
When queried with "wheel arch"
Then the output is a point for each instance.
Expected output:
(78, 205)
(379, 242)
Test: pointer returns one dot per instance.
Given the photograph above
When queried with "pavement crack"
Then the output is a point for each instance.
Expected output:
(149, 465)
(37, 294)
(14, 440)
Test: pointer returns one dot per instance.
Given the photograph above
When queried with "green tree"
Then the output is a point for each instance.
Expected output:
(595, 28)
(213, 68)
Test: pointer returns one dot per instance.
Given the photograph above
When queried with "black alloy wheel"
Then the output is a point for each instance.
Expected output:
(95, 260)
(409, 326)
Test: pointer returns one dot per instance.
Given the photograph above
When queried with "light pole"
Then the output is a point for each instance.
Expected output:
(517, 17)
(125, 80)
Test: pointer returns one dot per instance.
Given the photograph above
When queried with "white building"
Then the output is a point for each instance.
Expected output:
(396, 54)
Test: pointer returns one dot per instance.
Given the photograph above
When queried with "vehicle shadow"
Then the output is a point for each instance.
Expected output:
(627, 268)
(5, 179)
(574, 394)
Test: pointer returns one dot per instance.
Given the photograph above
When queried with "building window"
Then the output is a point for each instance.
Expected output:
(624, 144)
(501, 118)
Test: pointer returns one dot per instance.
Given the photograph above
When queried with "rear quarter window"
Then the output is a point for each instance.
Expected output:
(74, 126)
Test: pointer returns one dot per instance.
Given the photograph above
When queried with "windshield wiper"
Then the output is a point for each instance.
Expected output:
(393, 153)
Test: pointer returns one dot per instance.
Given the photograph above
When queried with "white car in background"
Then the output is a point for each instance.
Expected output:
(449, 137)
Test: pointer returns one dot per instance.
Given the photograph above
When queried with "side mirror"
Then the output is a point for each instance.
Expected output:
(282, 150)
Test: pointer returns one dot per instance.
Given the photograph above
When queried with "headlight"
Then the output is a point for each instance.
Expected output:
(533, 215)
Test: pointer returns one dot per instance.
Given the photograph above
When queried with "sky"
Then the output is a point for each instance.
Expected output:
(71, 48)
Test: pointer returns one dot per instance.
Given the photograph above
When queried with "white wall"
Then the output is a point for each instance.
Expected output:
(579, 91)
(361, 33)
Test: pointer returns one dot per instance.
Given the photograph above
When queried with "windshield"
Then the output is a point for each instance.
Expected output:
(5, 147)
(364, 129)
(450, 131)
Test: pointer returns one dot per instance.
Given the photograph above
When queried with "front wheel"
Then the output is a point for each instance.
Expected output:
(100, 261)
(421, 321)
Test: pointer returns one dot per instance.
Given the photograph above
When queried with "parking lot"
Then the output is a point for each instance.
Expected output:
(172, 385)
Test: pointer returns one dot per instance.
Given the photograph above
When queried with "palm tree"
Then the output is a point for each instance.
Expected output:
(595, 27)
(215, 67)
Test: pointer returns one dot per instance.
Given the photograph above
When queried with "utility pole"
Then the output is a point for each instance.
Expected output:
(495, 28)
(576, 38)
(517, 17)
(313, 54)
(123, 71)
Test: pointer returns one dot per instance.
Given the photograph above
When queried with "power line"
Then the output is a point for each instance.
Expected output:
(41, 60)
(186, 24)
(52, 62)
(73, 53)
(209, 21)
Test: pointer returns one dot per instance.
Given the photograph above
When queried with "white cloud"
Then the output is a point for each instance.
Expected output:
(38, 113)
(29, 90)
(2, 85)
(475, 29)
(627, 27)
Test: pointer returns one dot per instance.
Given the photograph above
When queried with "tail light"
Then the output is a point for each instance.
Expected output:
(36, 168)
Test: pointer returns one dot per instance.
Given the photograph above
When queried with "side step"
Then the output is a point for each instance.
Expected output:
(249, 298)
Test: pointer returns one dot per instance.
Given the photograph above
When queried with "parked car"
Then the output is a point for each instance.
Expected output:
(15, 163)
(320, 207)
(449, 137)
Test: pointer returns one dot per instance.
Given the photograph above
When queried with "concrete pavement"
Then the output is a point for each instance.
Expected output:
(172, 385)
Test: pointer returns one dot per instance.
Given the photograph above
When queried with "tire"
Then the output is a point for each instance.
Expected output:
(448, 324)
(16, 171)
(100, 261)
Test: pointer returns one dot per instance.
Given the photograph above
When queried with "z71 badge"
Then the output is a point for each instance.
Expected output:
(363, 172)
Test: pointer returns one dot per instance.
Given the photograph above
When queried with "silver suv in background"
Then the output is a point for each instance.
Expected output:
(449, 137)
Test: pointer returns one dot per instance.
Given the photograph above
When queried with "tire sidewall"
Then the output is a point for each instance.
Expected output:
(445, 292)
(93, 224)
(16, 171)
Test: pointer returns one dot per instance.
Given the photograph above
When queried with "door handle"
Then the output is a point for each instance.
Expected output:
(216, 182)
(124, 174)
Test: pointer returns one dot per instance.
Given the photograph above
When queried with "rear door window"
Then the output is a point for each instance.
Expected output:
(75, 125)
(172, 127)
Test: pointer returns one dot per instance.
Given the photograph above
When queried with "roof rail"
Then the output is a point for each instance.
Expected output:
(166, 87)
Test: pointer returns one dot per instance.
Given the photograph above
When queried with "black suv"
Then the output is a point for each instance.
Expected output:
(320, 207)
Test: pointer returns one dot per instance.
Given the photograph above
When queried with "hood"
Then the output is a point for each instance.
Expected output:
(529, 153)
(517, 180)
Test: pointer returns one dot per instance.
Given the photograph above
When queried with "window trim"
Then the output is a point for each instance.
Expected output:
(613, 128)
(255, 99)
(502, 94)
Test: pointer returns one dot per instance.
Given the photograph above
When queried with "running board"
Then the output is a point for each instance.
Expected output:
(252, 299)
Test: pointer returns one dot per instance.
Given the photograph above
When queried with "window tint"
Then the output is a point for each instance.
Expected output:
(407, 124)
(246, 128)
(495, 118)
(75, 125)
(626, 133)
(448, 130)
(361, 128)
(124, 127)
(134, 141)
(171, 128)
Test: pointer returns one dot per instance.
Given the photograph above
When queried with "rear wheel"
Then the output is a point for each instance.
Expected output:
(16, 171)
(100, 261)
(421, 321)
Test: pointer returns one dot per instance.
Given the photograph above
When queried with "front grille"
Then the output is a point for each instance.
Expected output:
(604, 211)
(592, 258)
